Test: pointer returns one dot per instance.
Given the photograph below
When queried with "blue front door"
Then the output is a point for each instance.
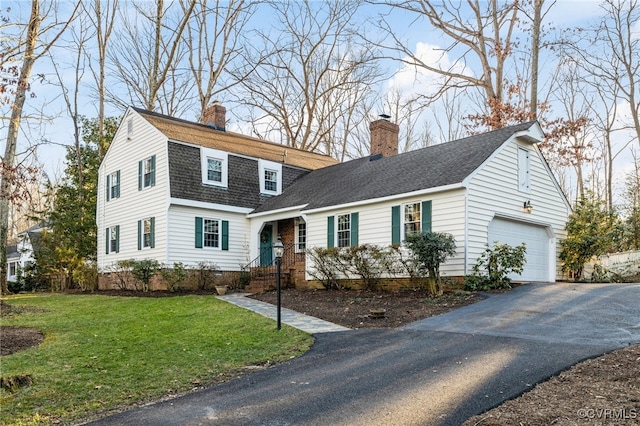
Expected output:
(266, 244)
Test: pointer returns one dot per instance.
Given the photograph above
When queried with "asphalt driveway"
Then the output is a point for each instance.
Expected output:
(438, 371)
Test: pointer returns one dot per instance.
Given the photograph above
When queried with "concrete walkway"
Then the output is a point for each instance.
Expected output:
(297, 320)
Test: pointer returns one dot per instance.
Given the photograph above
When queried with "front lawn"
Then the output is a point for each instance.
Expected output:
(101, 353)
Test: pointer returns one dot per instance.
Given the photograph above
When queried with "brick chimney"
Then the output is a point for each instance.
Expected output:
(215, 116)
(384, 137)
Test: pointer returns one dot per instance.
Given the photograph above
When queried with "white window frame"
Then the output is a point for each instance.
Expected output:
(338, 230)
(263, 167)
(301, 243)
(403, 212)
(146, 220)
(204, 232)
(147, 164)
(113, 177)
(13, 265)
(207, 154)
(524, 170)
(113, 242)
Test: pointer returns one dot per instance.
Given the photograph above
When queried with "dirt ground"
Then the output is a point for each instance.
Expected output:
(600, 391)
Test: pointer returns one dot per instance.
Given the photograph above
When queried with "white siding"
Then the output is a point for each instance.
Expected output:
(493, 192)
(375, 223)
(124, 154)
(181, 230)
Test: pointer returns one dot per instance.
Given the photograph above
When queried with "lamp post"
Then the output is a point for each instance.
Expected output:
(278, 251)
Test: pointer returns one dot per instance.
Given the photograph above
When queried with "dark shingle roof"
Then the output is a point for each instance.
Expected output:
(375, 177)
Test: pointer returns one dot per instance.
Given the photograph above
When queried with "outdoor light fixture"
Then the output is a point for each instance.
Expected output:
(527, 206)
(278, 251)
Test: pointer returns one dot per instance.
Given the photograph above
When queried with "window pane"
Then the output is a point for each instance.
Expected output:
(115, 185)
(214, 170)
(113, 242)
(270, 180)
(302, 236)
(344, 230)
(147, 233)
(210, 232)
(412, 218)
(147, 172)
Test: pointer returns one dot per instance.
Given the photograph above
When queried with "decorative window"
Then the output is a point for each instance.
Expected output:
(412, 219)
(524, 165)
(113, 239)
(344, 230)
(130, 128)
(214, 165)
(113, 185)
(270, 177)
(147, 172)
(301, 236)
(146, 233)
(212, 233)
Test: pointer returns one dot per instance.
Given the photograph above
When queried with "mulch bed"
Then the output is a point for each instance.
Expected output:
(356, 309)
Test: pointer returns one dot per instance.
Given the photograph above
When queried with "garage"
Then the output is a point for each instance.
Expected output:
(537, 241)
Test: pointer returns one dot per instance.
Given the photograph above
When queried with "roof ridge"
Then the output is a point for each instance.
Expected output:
(236, 134)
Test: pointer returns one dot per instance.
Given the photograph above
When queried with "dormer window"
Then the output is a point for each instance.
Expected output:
(215, 165)
(270, 180)
(214, 170)
(270, 177)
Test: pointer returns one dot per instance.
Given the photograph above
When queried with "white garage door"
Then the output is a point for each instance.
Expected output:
(537, 242)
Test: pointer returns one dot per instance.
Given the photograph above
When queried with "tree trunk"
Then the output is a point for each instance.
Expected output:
(12, 136)
(535, 50)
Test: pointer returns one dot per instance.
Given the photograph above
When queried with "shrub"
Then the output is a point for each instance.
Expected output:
(143, 270)
(363, 261)
(206, 273)
(326, 266)
(121, 270)
(175, 276)
(86, 276)
(493, 266)
(430, 250)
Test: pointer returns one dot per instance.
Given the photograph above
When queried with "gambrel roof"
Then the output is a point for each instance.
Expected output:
(203, 135)
(377, 177)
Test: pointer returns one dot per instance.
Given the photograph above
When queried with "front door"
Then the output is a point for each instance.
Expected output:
(266, 244)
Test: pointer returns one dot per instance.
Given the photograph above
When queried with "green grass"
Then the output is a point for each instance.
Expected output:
(101, 352)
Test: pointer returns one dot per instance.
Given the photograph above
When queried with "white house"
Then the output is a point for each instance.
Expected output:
(22, 255)
(178, 191)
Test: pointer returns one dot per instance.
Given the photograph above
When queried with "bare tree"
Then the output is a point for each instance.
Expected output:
(612, 55)
(214, 37)
(102, 14)
(481, 35)
(308, 76)
(32, 47)
(146, 52)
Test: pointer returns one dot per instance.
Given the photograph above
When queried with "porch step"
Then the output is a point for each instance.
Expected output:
(261, 285)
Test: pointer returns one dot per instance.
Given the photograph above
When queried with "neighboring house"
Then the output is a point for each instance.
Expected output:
(178, 191)
(22, 255)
